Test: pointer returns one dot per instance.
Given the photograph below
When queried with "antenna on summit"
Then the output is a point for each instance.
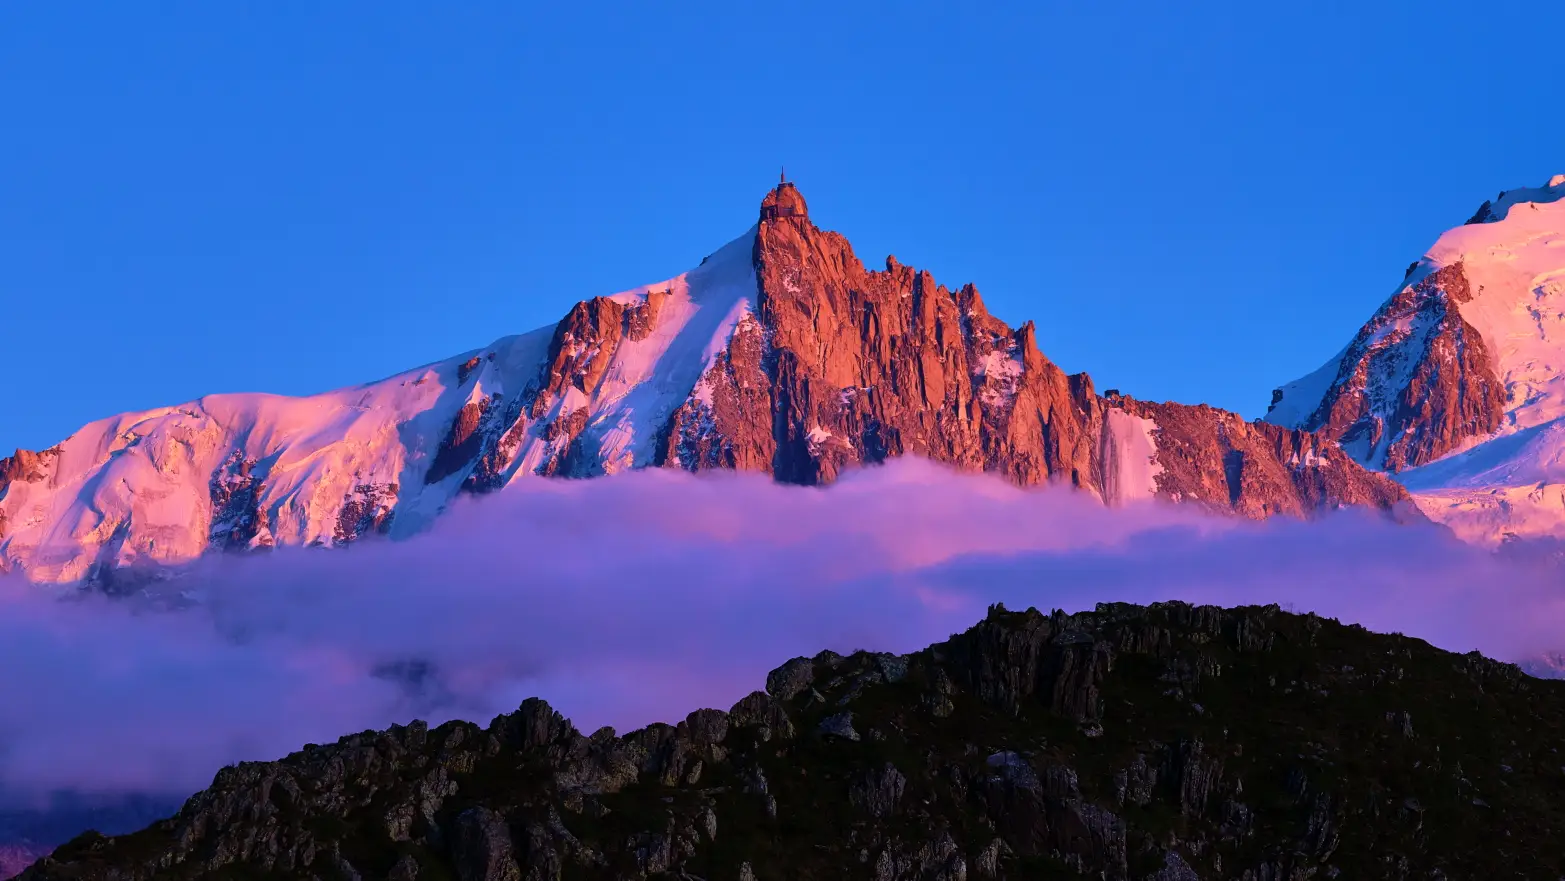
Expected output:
(783, 201)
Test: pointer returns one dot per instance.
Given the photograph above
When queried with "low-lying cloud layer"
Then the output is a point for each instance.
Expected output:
(640, 597)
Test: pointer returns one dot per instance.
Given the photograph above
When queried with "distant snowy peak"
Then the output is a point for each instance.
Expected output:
(1416, 383)
(1501, 205)
(1468, 352)
(781, 353)
(1469, 345)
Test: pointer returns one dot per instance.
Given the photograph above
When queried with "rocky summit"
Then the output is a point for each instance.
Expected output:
(1161, 743)
(781, 353)
(1456, 383)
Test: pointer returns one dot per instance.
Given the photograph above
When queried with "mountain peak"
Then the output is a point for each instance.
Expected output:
(783, 200)
(1498, 208)
(781, 354)
(1457, 382)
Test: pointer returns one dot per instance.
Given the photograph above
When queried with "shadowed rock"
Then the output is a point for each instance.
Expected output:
(1165, 742)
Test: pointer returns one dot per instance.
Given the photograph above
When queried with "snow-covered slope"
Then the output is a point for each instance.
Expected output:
(1512, 486)
(1458, 382)
(781, 353)
(249, 470)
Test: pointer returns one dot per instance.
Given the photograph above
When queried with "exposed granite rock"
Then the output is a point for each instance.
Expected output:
(839, 726)
(466, 368)
(1136, 783)
(824, 365)
(844, 366)
(766, 714)
(500, 439)
(481, 847)
(879, 791)
(857, 366)
(1294, 769)
(1215, 459)
(462, 442)
(488, 434)
(790, 679)
(1417, 382)
(784, 203)
(1484, 214)
(367, 510)
(238, 520)
(24, 466)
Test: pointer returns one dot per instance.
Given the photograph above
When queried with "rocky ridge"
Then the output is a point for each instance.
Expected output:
(1417, 382)
(782, 353)
(1169, 743)
(1457, 383)
(843, 366)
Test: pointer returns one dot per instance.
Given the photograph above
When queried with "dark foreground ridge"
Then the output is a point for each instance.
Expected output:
(1171, 743)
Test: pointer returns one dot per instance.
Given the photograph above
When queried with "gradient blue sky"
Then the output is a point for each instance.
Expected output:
(1194, 201)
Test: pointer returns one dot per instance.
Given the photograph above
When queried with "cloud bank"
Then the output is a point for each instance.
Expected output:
(640, 597)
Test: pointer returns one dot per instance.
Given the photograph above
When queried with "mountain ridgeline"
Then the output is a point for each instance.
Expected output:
(1169, 743)
(780, 354)
(1456, 384)
(843, 366)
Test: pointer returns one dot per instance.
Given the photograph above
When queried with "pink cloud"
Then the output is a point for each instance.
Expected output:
(640, 597)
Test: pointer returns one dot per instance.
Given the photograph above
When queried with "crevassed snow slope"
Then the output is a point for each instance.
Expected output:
(1512, 486)
(166, 485)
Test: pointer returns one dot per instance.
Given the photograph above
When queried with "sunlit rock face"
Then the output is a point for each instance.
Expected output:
(779, 353)
(1457, 383)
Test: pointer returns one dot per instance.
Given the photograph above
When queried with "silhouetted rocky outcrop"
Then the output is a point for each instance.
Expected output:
(1163, 742)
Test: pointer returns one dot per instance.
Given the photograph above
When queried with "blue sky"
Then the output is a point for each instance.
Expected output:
(1194, 201)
